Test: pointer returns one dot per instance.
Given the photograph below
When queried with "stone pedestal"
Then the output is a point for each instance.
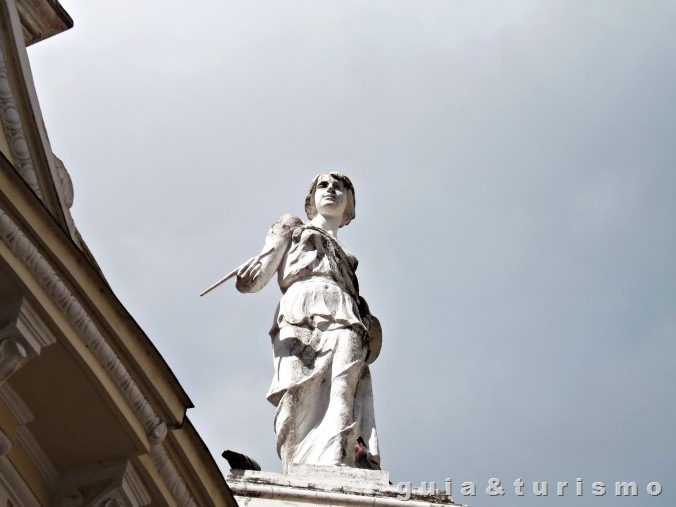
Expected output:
(337, 486)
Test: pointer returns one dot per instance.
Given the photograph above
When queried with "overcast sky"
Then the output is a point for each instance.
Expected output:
(515, 172)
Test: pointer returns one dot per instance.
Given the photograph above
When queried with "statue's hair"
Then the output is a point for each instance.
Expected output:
(311, 207)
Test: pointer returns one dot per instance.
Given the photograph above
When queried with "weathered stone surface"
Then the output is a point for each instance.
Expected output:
(323, 485)
(323, 335)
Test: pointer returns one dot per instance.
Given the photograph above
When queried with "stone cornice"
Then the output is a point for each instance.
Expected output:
(22, 120)
(338, 486)
(85, 279)
(22, 247)
(41, 19)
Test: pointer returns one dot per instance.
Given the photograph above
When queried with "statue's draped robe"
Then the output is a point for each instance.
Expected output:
(322, 384)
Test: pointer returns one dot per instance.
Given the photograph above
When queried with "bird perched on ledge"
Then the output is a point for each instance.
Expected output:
(363, 458)
(239, 461)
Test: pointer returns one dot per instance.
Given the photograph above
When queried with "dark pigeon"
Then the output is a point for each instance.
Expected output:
(239, 461)
(363, 458)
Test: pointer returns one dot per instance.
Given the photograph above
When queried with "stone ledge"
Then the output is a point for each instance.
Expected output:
(323, 485)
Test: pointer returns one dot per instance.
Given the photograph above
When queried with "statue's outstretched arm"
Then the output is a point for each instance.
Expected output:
(255, 273)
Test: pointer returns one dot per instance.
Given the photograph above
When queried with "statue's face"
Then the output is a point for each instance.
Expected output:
(330, 196)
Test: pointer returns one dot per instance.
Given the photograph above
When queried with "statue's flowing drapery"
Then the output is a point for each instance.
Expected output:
(322, 384)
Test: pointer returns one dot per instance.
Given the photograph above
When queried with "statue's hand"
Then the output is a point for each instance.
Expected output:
(250, 269)
(247, 274)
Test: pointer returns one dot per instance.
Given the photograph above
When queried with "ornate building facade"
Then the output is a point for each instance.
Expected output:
(90, 414)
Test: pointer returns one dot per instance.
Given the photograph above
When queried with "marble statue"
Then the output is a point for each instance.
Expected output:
(323, 334)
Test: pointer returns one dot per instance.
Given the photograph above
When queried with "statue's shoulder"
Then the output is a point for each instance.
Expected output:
(288, 220)
(285, 225)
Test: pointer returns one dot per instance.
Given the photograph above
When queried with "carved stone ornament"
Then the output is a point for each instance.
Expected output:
(11, 120)
(12, 124)
(65, 184)
(156, 430)
(103, 485)
(22, 336)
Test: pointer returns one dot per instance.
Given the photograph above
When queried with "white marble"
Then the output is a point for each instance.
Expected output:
(323, 334)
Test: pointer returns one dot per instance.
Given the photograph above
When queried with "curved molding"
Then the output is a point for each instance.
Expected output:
(155, 428)
(11, 120)
(59, 293)
(167, 470)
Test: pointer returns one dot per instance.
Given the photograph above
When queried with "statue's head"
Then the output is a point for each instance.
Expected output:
(310, 206)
